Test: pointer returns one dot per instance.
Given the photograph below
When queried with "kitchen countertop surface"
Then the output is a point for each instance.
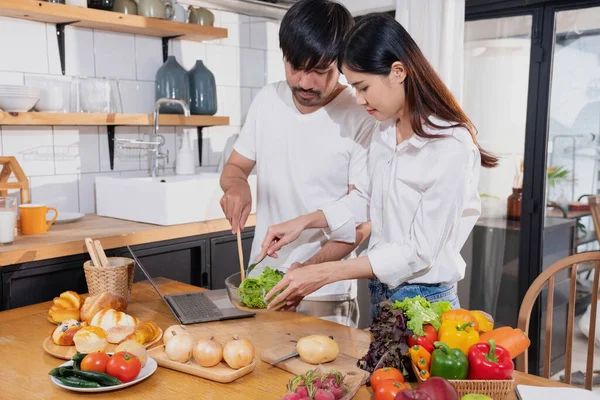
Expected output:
(24, 365)
(68, 239)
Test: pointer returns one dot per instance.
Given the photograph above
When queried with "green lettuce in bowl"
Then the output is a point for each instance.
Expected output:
(252, 291)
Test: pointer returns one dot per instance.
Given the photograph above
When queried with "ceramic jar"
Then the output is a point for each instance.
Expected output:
(203, 90)
(155, 8)
(125, 7)
(172, 82)
(101, 4)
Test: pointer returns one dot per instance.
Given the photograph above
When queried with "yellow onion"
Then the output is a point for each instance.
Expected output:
(238, 352)
(208, 352)
(179, 347)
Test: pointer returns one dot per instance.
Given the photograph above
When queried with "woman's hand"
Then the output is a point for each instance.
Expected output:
(297, 284)
(292, 303)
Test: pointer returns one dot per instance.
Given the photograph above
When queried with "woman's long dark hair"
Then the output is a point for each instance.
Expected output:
(375, 43)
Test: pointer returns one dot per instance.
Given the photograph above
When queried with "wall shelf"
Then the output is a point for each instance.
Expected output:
(58, 119)
(42, 11)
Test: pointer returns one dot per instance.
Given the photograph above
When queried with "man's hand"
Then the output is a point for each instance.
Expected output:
(237, 204)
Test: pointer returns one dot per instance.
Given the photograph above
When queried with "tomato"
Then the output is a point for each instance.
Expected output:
(95, 362)
(388, 389)
(382, 374)
(124, 366)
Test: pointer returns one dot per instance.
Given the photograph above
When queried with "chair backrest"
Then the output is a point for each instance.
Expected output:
(547, 277)
(594, 202)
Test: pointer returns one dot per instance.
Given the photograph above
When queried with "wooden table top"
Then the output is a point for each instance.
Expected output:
(68, 239)
(24, 365)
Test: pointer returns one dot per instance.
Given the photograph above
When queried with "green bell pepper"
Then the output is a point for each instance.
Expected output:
(449, 363)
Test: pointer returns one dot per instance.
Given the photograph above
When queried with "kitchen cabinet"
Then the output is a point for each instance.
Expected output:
(31, 283)
(203, 260)
(224, 259)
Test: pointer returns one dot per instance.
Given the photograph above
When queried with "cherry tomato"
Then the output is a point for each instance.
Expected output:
(124, 366)
(95, 362)
(388, 389)
(382, 374)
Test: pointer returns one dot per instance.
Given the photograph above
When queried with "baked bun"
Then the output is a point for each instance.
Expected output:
(65, 307)
(90, 339)
(103, 301)
(110, 318)
(117, 334)
(64, 332)
(144, 332)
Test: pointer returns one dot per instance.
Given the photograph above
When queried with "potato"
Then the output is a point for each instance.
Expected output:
(317, 349)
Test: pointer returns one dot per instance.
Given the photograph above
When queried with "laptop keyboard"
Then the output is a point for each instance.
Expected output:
(195, 306)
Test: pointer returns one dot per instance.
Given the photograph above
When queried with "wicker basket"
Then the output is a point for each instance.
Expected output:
(496, 389)
(117, 279)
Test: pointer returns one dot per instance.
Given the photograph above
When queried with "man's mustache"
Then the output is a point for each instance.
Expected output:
(310, 91)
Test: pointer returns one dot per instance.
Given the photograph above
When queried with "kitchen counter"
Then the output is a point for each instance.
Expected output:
(68, 239)
(24, 365)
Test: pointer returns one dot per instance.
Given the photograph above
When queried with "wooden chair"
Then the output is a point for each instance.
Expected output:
(594, 202)
(548, 277)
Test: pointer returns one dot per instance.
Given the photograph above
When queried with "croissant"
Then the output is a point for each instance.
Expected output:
(64, 332)
(144, 332)
(65, 307)
(103, 301)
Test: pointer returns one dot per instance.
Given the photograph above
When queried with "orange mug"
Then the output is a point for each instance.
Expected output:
(33, 218)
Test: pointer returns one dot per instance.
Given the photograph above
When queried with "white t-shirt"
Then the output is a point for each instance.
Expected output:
(304, 162)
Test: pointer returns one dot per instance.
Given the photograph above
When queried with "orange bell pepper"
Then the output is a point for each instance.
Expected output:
(515, 341)
(461, 315)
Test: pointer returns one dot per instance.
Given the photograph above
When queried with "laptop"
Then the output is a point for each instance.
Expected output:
(192, 308)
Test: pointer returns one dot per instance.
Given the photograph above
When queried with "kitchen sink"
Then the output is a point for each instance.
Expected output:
(163, 200)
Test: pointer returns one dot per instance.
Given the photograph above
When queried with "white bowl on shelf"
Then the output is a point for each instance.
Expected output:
(17, 103)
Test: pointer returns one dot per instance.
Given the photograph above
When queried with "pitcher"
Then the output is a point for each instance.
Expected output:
(155, 8)
(201, 16)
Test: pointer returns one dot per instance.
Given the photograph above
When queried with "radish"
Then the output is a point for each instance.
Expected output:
(323, 394)
(337, 391)
(317, 383)
(301, 391)
(291, 396)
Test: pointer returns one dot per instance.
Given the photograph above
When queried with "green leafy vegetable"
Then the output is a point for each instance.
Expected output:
(440, 307)
(253, 290)
(420, 312)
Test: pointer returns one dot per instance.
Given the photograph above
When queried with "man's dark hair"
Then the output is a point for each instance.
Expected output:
(312, 33)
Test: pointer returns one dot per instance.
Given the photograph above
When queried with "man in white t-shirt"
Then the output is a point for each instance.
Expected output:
(308, 140)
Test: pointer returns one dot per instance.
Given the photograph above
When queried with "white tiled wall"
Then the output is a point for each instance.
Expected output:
(63, 162)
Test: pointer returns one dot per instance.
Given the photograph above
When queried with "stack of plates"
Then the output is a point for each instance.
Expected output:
(18, 98)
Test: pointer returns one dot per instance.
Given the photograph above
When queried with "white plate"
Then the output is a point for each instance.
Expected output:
(148, 370)
(65, 217)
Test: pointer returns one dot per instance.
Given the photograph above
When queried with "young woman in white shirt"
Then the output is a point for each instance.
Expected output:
(424, 173)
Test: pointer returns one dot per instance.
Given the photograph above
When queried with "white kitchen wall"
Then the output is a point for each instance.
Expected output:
(63, 162)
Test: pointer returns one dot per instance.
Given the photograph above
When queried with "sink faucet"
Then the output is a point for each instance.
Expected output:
(156, 155)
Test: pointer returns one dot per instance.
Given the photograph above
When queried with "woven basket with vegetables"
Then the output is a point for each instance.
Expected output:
(446, 353)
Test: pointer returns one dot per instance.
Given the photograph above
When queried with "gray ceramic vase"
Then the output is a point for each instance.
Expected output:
(203, 90)
(172, 83)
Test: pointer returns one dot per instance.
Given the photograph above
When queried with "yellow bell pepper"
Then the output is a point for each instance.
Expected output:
(461, 315)
(458, 336)
(485, 325)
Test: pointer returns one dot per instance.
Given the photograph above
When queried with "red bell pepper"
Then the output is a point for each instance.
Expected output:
(489, 362)
(426, 341)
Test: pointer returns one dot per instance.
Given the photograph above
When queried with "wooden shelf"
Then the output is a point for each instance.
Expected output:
(42, 11)
(35, 118)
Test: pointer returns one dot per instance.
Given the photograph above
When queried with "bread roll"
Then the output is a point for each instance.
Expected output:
(65, 307)
(110, 318)
(145, 332)
(64, 332)
(90, 339)
(103, 301)
(117, 334)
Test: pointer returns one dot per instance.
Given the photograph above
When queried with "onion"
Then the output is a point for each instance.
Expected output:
(169, 332)
(179, 347)
(208, 353)
(238, 352)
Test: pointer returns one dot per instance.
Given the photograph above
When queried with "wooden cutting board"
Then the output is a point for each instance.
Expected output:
(67, 352)
(343, 363)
